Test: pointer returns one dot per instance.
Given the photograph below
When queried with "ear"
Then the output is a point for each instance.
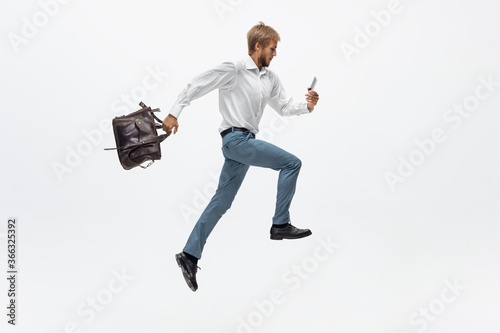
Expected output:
(257, 46)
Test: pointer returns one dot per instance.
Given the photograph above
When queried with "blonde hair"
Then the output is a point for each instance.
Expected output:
(262, 34)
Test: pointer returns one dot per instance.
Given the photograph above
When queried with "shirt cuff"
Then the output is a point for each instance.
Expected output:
(176, 110)
(304, 108)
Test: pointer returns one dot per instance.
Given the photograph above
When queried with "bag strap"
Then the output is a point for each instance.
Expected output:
(156, 139)
(160, 125)
(137, 164)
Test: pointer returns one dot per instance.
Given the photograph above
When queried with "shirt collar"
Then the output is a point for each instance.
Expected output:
(251, 65)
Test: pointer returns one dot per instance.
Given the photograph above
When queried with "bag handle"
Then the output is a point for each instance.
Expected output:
(160, 125)
(157, 119)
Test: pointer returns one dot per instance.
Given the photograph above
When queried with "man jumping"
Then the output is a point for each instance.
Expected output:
(245, 87)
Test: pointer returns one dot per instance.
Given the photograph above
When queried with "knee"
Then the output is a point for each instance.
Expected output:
(295, 163)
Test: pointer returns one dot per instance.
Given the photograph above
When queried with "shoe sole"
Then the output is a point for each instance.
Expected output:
(294, 237)
(184, 273)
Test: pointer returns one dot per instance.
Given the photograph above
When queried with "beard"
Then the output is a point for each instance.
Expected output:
(263, 61)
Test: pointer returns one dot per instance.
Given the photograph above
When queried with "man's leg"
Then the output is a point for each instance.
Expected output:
(231, 177)
(230, 180)
(244, 149)
(247, 150)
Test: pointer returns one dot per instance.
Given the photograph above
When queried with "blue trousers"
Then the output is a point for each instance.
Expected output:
(241, 151)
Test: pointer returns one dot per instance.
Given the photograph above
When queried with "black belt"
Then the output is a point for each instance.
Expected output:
(234, 129)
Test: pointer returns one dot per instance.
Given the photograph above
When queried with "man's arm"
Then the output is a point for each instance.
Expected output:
(221, 77)
(285, 105)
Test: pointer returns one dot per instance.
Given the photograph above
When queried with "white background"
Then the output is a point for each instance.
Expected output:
(397, 246)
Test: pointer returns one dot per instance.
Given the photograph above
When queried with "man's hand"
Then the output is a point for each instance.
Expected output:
(312, 98)
(169, 123)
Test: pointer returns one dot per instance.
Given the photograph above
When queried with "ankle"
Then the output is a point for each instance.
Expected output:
(191, 257)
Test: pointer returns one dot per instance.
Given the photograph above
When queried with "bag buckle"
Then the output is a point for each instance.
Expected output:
(147, 166)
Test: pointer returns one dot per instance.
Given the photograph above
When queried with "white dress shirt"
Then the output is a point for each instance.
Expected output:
(244, 92)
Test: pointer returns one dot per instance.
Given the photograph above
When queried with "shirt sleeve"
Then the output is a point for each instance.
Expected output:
(284, 104)
(220, 77)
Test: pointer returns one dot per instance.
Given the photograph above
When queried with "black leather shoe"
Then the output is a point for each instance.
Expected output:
(289, 232)
(189, 269)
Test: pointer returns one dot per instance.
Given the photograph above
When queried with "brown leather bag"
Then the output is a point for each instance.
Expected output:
(136, 138)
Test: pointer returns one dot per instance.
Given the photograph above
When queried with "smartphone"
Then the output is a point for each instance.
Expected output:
(313, 84)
